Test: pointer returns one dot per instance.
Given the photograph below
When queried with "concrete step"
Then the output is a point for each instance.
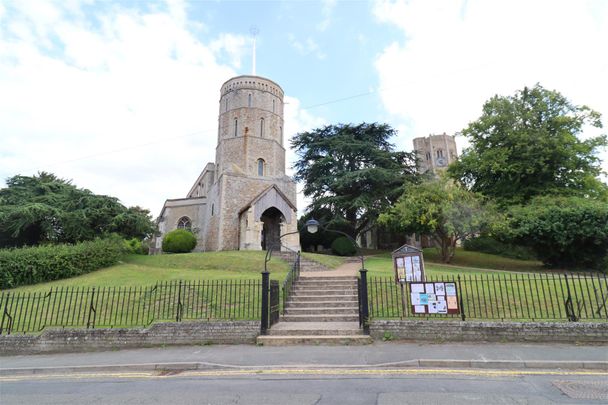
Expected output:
(309, 292)
(322, 311)
(270, 340)
(323, 286)
(321, 304)
(311, 298)
(315, 328)
(320, 318)
(340, 283)
(309, 277)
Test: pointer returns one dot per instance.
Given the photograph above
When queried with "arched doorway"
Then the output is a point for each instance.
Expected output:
(271, 231)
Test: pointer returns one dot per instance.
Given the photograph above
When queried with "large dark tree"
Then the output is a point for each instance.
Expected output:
(528, 145)
(44, 208)
(352, 170)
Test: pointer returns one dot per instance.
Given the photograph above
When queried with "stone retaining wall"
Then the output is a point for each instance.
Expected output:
(175, 333)
(472, 331)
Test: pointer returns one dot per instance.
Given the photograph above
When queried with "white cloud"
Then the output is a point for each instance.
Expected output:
(298, 120)
(234, 46)
(326, 11)
(127, 109)
(306, 47)
(454, 56)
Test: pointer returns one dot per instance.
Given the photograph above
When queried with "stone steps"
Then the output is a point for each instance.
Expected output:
(311, 278)
(315, 329)
(321, 304)
(311, 298)
(323, 311)
(320, 310)
(320, 318)
(326, 284)
(323, 293)
(344, 340)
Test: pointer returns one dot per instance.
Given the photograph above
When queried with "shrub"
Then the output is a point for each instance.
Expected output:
(563, 231)
(487, 244)
(136, 246)
(179, 241)
(22, 266)
(343, 246)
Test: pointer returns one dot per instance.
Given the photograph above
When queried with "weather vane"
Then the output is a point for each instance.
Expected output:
(254, 32)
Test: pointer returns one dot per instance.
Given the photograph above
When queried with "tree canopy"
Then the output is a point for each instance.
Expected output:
(44, 208)
(352, 170)
(527, 145)
(441, 209)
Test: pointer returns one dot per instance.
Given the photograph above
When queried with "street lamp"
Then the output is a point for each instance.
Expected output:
(312, 226)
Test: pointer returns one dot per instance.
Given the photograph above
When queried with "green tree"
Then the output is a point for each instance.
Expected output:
(562, 231)
(47, 209)
(527, 145)
(352, 170)
(445, 211)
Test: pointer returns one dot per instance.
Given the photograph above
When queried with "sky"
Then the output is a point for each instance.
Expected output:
(121, 97)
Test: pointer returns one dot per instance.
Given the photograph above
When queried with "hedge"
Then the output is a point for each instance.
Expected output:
(487, 244)
(22, 266)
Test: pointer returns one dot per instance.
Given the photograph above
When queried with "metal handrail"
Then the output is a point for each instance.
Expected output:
(291, 277)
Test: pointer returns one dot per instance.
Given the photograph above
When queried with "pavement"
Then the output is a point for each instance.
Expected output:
(379, 355)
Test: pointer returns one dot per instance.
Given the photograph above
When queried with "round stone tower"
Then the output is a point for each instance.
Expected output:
(250, 133)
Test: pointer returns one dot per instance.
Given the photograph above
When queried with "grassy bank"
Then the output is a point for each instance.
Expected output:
(137, 270)
(469, 263)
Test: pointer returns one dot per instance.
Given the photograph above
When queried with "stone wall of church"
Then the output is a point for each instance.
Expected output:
(194, 209)
(237, 191)
(241, 155)
(211, 227)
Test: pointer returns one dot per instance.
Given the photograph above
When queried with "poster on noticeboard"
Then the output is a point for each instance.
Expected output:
(408, 264)
(438, 297)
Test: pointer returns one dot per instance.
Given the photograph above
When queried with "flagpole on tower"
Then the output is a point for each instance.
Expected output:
(254, 32)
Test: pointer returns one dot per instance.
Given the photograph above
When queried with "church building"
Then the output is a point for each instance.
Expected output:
(243, 201)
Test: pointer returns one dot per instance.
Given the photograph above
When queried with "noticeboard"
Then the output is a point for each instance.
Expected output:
(408, 264)
(438, 297)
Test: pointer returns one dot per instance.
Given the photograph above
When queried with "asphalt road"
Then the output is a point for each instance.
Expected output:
(310, 386)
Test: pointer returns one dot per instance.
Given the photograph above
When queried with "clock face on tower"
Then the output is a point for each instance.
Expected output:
(441, 161)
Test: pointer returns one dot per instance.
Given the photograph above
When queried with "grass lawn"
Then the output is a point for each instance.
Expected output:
(137, 270)
(226, 285)
(465, 262)
(499, 288)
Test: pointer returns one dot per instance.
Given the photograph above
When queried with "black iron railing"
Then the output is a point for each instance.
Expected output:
(517, 297)
(293, 258)
(110, 307)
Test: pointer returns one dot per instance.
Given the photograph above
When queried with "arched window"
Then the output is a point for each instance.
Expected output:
(212, 209)
(260, 167)
(428, 156)
(439, 153)
(249, 101)
(262, 127)
(184, 223)
(236, 126)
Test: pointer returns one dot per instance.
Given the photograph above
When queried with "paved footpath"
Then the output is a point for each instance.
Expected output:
(379, 354)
